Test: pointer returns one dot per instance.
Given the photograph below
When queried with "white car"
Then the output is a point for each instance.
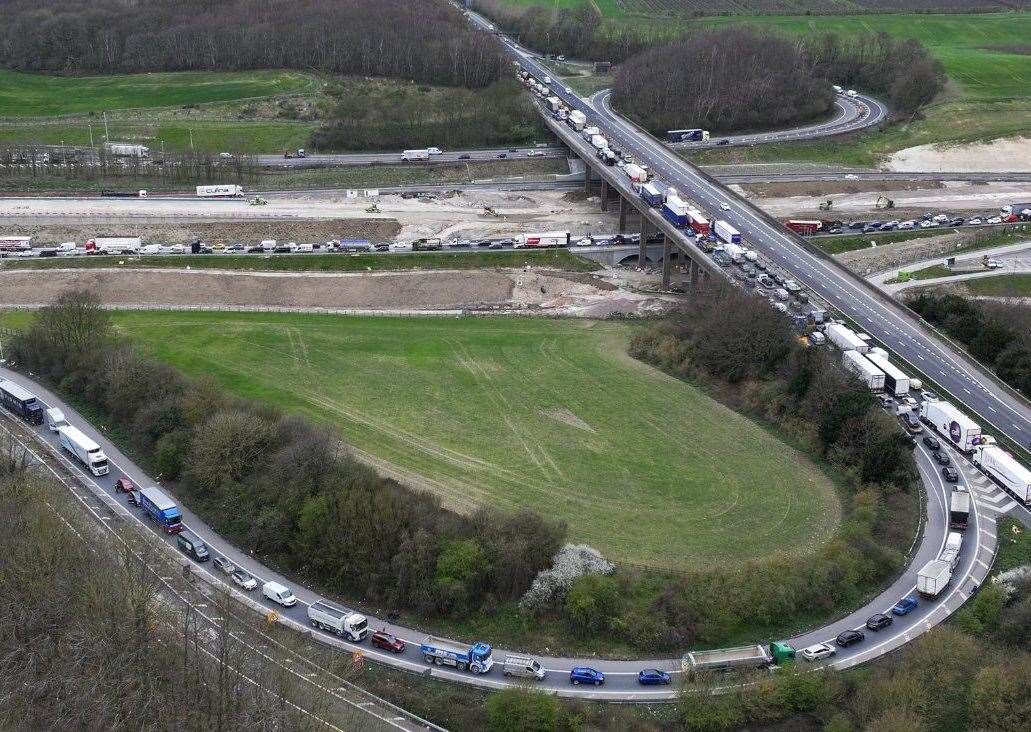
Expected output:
(305, 248)
(151, 249)
(244, 580)
(174, 249)
(585, 242)
(433, 150)
(534, 154)
(994, 220)
(926, 224)
(401, 246)
(974, 222)
(818, 652)
(724, 205)
(907, 225)
(279, 594)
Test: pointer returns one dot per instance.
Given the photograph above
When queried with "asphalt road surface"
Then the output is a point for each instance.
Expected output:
(329, 160)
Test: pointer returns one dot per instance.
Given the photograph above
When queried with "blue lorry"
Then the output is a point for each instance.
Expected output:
(475, 657)
(162, 509)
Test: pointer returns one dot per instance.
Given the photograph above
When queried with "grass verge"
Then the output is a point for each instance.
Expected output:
(1009, 285)
(557, 258)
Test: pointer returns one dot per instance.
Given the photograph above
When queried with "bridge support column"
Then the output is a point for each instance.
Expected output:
(642, 253)
(694, 272)
(623, 207)
(666, 253)
(604, 194)
(587, 179)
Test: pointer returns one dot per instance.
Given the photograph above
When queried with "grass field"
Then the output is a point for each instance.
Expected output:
(32, 95)
(515, 412)
(558, 258)
(1009, 285)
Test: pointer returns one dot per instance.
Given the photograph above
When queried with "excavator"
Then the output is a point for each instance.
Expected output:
(884, 202)
(826, 205)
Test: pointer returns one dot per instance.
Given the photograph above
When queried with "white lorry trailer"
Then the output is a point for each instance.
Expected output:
(128, 151)
(845, 338)
(577, 120)
(933, 577)
(542, 241)
(896, 382)
(350, 625)
(952, 424)
(950, 554)
(415, 155)
(1005, 469)
(220, 191)
(599, 142)
(859, 365)
(55, 420)
(85, 450)
(113, 245)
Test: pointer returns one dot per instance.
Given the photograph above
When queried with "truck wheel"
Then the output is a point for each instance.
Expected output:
(429, 659)
(462, 667)
(507, 673)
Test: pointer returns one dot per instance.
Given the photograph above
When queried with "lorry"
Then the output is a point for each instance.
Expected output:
(933, 577)
(21, 401)
(85, 450)
(113, 245)
(845, 338)
(588, 132)
(727, 233)
(121, 150)
(221, 191)
(859, 365)
(1003, 468)
(803, 226)
(475, 657)
(736, 253)
(55, 419)
(950, 553)
(15, 243)
(523, 666)
(539, 241)
(553, 103)
(577, 120)
(162, 509)
(741, 657)
(896, 383)
(692, 135)
(675, 210)
(652, 195)
(959, 510)
(298, 153)
(636, 173)
(951, 423)
(327, 616)
(699, 224)
(415, 154)
(599, 142)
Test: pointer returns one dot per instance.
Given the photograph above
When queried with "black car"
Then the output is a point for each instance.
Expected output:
(941, 457)
(724, 141)
(134, 498)
(464, 156)
(950, 474)
(849, 638)
(932, 442)
(484, 243)
(879, 621)
(502, 155)
(802, 297)
(382, 247)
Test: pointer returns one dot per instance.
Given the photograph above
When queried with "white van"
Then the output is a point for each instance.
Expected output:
(55, 419)
(279, 594)
(268, 245)
(523, 666)
(401, 246)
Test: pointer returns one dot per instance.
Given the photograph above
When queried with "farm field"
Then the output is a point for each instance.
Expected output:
(517, 412)
(38, 95)
(1011, 285)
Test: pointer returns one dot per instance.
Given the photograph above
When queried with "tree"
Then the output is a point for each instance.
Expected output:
(520, 710)
(592, 603)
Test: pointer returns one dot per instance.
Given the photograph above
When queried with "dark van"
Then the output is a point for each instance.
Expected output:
(191, 545)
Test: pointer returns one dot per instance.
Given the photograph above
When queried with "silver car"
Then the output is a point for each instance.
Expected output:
(818, 652)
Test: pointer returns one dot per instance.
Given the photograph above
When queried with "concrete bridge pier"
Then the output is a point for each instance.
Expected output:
(605, 195)
(587, 179)
(666, 255)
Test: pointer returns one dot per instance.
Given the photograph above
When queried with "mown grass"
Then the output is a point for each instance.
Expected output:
(1008, 285)
(550, 415)
(852, 242)
(557, 258)
(30, 95)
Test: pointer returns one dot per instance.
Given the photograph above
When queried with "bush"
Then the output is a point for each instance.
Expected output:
(592, 604)
(551, 585)
(520, 710)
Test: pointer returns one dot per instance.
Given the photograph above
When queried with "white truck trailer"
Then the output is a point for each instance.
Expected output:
(542, 241)
(415, 154)
(933, 577)
(599, 142)
(952, 424)
(845, 338)
(859, 365)
(1003, 468)
(577, 120)
(85, 450)
(896, 383)
(950, 554)
(128, 151)
(350, 625)
(113, 245)
(220, 191)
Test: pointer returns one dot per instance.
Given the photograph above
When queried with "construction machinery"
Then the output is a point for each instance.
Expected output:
(884, 202)
(827, 205)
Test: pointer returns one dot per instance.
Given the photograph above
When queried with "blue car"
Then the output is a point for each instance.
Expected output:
(905, 606)
(586, 675)
(653, 677)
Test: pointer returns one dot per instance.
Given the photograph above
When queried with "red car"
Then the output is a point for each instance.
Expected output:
(124, 485)
(385, 640)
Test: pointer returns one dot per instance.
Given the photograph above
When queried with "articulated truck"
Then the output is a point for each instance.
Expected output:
(1002, 467)
(741, 657)
(869, 374)
(475, 657)
(896, 382)
(85, 450)
(21, 401)
(845, 338)
(951, 424)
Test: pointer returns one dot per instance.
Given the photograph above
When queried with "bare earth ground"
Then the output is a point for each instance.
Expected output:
(1006, 154)
(529, 290)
